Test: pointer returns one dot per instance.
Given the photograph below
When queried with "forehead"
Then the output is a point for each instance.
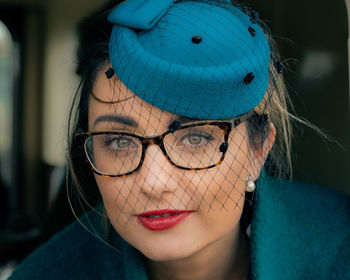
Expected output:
(114, 98)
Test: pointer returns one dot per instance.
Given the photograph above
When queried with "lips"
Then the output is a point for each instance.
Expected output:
(162, 219)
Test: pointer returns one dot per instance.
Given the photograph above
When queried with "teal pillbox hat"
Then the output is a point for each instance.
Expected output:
(198, 59)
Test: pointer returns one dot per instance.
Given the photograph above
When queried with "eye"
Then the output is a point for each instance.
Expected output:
(195, 139)
(122, 143)
(198, 137)
(119, 142)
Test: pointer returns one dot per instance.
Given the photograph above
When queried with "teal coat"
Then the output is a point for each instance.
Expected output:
(298, 231)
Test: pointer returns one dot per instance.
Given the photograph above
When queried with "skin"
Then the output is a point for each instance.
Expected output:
(209, 243)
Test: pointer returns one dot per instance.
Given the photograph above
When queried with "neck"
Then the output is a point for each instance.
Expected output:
(215, 261)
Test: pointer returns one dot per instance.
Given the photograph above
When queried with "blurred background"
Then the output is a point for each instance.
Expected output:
(38, 40)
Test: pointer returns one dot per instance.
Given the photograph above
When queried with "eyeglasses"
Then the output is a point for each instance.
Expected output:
(192, 146)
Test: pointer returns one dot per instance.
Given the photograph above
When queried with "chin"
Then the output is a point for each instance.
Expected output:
(165, 255)
(167, 251)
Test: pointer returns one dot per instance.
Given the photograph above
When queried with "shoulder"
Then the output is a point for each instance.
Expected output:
(309, 203)
(74, 253)
(303, 229)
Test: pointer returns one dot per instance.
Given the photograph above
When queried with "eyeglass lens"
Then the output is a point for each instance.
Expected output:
(191, 147)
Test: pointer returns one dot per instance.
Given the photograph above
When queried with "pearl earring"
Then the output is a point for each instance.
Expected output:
(250, 185)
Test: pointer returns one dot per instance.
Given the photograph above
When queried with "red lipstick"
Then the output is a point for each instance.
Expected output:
(162, 219)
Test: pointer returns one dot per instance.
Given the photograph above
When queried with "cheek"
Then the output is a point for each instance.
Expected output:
(223, 187)
(118, 197)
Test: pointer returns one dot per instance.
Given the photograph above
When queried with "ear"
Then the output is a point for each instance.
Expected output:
(258, 156)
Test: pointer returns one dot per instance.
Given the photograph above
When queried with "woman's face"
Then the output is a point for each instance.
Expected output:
(212, 199)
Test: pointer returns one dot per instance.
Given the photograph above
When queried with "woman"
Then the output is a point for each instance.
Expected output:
(181, 118)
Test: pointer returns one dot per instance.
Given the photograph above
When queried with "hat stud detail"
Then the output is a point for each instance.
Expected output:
(197, 39)
(109, 73)
(248, 78)
(174, 126)
(252, 31)
(223, 147)
(279, 67)
(254, 15)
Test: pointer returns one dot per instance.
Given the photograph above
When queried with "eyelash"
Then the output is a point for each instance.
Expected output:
(206, 136)
(111, 139)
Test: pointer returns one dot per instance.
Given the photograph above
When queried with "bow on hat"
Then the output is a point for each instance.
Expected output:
(139, 14)
(200, 59)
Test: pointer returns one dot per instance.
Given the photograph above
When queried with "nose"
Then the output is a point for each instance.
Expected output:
(156, 176)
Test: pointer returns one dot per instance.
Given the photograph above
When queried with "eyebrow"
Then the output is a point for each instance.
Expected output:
(131, 121)
(117, 119)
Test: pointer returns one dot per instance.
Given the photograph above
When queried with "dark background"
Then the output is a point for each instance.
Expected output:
(312, 39)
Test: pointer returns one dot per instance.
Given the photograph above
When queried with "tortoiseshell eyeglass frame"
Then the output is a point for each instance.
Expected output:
(226, 127)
